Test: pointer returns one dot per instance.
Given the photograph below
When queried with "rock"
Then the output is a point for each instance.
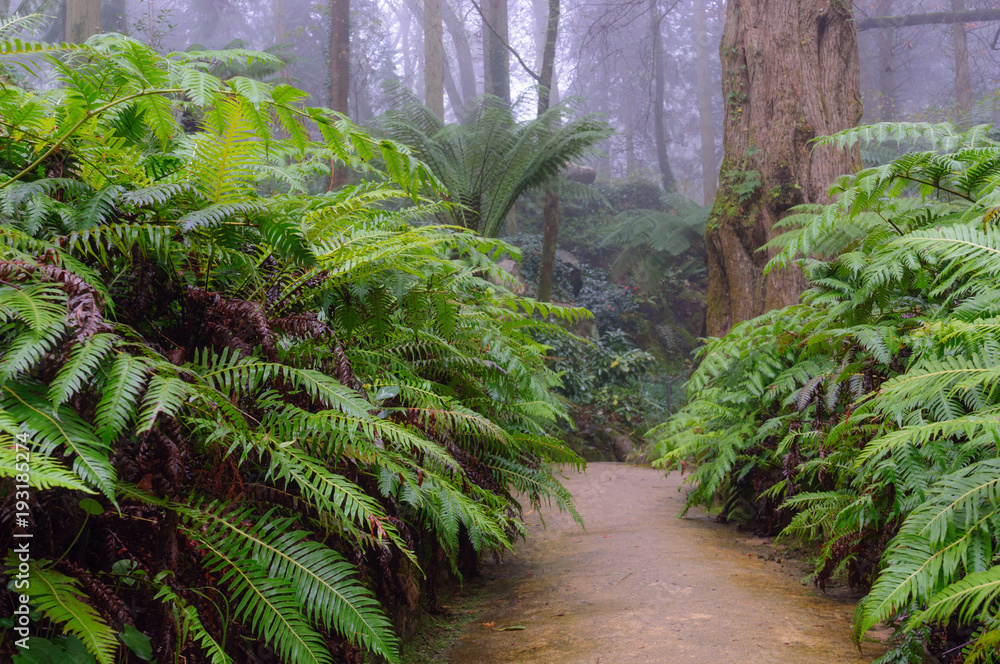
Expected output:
(621, 444)
(581, 174)
(511, 267)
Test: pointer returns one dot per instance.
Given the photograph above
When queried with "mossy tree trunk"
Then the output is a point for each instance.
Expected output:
(790, 74)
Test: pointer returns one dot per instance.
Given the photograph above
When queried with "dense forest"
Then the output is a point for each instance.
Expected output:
(304, 306)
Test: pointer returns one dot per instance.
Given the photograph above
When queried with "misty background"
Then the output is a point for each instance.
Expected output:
(604, 59)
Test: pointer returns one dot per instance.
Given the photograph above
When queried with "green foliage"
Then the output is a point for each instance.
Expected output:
(865, 418)
(282, 406)
(490, 161)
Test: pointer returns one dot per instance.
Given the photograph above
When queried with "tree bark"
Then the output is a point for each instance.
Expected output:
(706, 114)
(931, 18)
(340, 68)
(963, 83)
(496, 57)
(667, 180)
(463, 54)
(790, 73)
(550, 209)
(83, 19)
(433, 58)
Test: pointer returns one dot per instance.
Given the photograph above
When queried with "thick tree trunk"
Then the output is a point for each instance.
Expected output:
(433, 58)
(550, 209)
(666, 174)
(496, 57)
(463, 54)
(83, 19)
(706, 114)
(340, 68)
(963, 84)
(790, 73)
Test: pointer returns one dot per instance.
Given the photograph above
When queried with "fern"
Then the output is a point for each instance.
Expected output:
(184, 329)
(59, 598)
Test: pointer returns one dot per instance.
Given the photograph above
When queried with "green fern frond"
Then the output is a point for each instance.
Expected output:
(59, 598)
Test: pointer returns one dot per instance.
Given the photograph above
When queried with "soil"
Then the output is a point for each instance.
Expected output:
(641, 585)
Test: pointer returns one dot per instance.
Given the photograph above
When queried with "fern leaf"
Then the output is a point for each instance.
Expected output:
(119, 402)
(89, 454)
(80, 366)
(59, 598)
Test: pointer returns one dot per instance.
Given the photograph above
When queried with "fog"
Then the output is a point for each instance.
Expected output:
(604, 61)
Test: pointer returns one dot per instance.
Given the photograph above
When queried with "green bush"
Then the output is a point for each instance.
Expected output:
(865, 418)
(256, 416)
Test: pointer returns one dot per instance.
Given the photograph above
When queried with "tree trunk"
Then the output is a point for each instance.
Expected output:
(666, 175)
(404, 42)
(280, 21)
(790, 73)
(454, 96)
(340, 68)
(706, 114)
(550, 209)
(463, 54)
(963, 84)
(83, 19)
(885, 42)
(496, 57)
(433, 58)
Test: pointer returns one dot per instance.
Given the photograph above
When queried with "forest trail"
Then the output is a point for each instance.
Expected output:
(642, 585)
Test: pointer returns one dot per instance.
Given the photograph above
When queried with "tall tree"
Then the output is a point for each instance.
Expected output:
(496, 57)
(885, 41)
(963, 82)
(340, 68)
(667, 179)
(280, 21)
(790, 73)
(550, 209)
(433, 58)
(463, 54)
(706, 114)
(83, 19)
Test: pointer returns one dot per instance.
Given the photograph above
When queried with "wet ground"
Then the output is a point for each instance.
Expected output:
(642, 585)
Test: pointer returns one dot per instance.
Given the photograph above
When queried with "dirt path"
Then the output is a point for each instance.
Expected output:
(644, 586)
